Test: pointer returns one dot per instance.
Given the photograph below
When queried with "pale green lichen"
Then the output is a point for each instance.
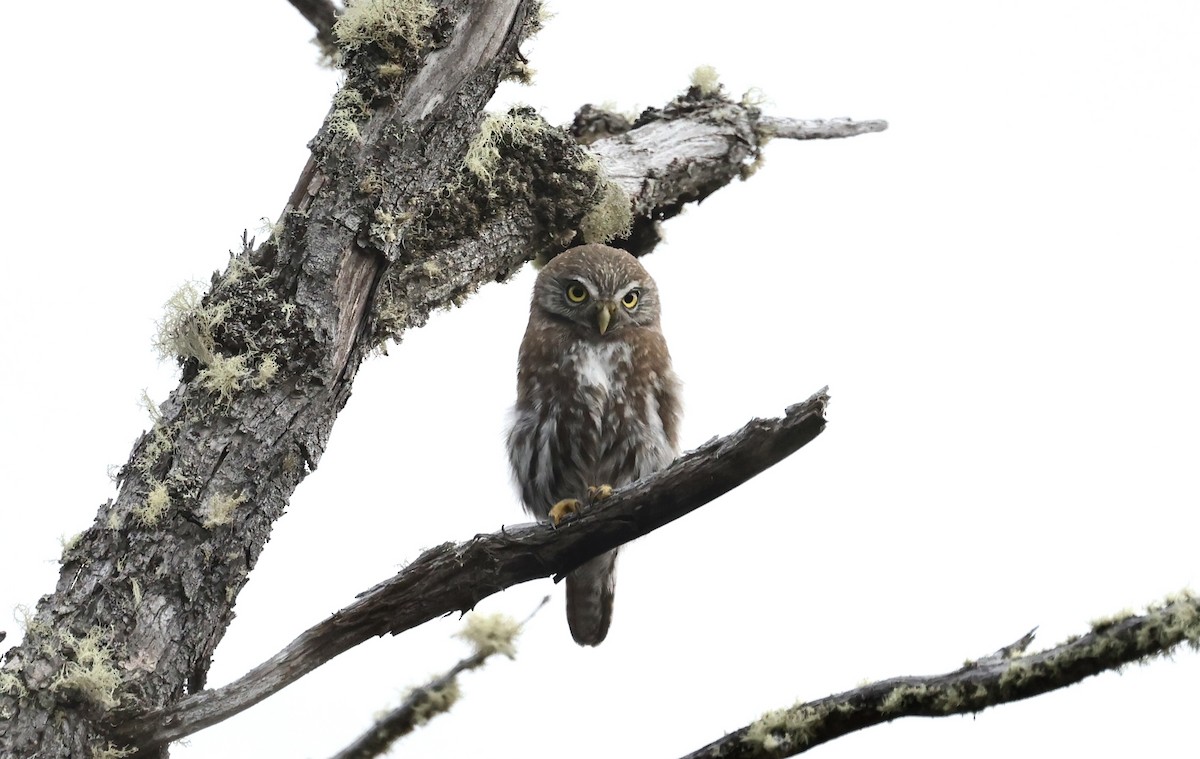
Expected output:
(239, 265)
(349, 108)
(111, 750)
(784, 728)
(1103, 623)
(90, 674)
(754, 97)
(391, 24)
(389, 227)
(516, 128)
(68, 543)
(10, 684)
(434, 701)
(612, 217)
(187, 327)
(156, 503)
(491, 634)
(706, 80)
(521, 72)
(224, 375)
(161, 439)
(218, 509)
(267, 369)
(894, 700)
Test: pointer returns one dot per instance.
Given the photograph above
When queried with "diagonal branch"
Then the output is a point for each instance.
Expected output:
(491, 635)
(1003, 677)
(321, 14)
(456, 576)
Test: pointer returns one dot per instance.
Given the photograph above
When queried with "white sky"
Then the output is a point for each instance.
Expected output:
(999, 291)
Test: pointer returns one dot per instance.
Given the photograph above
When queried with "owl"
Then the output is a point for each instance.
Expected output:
(597, 403)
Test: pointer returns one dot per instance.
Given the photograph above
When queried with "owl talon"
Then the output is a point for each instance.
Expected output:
(599, 492)
(562, 508)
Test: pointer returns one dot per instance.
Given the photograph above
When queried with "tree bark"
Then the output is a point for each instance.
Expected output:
(454, 577)
(1005, 676)
(384, 225)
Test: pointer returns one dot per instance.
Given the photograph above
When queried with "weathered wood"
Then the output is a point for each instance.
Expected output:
(386, 224)
(456, 576)
(154, 592)
(1006, 676)
(321, 14)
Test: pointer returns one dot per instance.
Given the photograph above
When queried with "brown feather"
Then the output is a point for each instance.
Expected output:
(593, 407)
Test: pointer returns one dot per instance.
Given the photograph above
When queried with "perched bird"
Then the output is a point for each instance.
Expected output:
(597, 403)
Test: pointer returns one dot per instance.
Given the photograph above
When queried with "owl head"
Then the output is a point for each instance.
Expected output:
(599, 291)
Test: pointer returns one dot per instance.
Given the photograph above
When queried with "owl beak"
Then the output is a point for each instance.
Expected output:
(604, 312)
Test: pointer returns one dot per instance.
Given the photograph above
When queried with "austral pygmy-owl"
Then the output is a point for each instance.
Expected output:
(597, 403)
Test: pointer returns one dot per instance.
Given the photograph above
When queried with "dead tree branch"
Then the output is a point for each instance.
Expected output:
(321, 14)
(689, 149)
(490, 635)
(456, 576)
(1006, 676)
(818, 129)
(404, 207)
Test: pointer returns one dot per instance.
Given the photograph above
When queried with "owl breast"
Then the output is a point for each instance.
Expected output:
(590, 419)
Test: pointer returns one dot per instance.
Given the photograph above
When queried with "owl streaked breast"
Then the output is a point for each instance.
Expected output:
(597, 401)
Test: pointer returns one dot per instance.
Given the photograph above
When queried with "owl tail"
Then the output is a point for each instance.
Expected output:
(590, 599)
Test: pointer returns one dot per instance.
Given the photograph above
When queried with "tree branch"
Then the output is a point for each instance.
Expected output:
(490, 635)
(818, 129)
(1000, 678)
(455, 577)
(321, 14)
(689, 149)
(393, 216)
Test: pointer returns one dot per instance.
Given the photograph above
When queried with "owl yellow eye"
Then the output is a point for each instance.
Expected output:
(631, 299)
(576, 293)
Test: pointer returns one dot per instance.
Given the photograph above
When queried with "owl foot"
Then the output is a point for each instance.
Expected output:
(562, 508)
(599, 492)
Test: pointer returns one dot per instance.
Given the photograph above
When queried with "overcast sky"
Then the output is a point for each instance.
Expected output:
(1000, 291)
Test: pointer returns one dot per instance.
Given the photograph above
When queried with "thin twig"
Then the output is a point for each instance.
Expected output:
(422, 704)
(321, 14)
(1005, 676)
(819, 129)
(456, 576)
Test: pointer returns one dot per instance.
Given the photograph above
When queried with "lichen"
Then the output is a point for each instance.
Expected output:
(90, 674)
(349, 108)
(156, 503)
(10, 684)
(896, 698)
(224, 375)
(610, 218)
(786, 728)
(111, 750)
(218, 509)
(434, 701)
(267, 369)
(491, 634)
(705, 79)
(159, 441)
(519, 128)
(397, 27)
(1102, 623)
(186, 330)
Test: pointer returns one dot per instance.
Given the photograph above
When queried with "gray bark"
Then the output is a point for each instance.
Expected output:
(1008, 675)
(454, 577)
(384, 225)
